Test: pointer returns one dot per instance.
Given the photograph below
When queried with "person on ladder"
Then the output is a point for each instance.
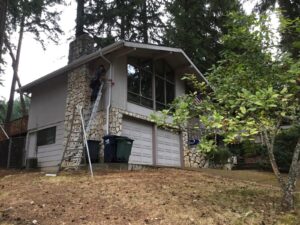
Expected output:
(96, 82)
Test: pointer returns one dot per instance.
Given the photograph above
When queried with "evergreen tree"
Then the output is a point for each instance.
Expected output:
(196, 26)
(99, 21)
(131, 20)
(148, 21)
(290, 10)
(17, 110)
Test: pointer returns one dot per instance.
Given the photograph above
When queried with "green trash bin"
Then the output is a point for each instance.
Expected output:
(124, 145)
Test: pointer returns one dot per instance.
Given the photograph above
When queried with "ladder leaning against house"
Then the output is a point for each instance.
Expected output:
(72, 156)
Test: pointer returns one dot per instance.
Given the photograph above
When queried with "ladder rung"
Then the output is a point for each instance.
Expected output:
(72, 157)
(74, 149)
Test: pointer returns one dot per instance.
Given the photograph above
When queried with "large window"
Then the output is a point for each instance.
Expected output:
(164, 85)
(141, 74)
(46, 136)
(140, 82)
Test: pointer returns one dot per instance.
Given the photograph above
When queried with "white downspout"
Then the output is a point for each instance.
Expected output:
(109, 92)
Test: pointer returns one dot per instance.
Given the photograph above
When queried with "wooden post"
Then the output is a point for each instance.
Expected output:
(9, 152)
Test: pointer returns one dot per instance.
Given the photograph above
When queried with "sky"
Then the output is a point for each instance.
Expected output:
(35, 62)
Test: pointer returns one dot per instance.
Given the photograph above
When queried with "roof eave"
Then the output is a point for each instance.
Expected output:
(106, 50)
(82, 60)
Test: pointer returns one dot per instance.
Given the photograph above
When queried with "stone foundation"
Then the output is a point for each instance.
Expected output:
(194, 159)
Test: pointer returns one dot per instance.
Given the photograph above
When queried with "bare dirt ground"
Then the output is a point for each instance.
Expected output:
(162, 196)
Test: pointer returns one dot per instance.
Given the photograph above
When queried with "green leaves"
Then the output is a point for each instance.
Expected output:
(243, 109)
(253, 91)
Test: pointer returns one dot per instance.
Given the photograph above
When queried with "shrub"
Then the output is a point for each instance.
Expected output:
(220, 156)
(285, 144)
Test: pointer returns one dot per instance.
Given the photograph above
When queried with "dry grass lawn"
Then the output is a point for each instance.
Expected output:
(162, 196)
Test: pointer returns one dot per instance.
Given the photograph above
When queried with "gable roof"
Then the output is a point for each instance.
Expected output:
(105, 51)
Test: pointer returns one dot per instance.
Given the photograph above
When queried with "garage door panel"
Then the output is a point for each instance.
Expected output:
(166, 152)
(168, 157)
(141, 133)
(168, 148)
(168, 145)
(140, 159)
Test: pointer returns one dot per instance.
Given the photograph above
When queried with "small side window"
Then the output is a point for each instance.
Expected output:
(46, 136)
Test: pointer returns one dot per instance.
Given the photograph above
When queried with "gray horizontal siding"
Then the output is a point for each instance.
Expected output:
(49, 156)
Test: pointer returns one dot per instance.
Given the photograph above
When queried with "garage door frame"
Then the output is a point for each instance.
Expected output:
(154, 139)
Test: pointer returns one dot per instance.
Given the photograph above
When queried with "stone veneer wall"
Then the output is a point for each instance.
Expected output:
(194, 159)
(78, 94)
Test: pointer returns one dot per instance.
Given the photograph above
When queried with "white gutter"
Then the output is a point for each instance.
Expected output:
(109, 91)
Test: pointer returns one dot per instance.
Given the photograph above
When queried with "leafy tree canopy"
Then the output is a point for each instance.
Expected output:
(254, 92)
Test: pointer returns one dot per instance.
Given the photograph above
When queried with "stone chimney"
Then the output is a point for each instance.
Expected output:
(82, 45)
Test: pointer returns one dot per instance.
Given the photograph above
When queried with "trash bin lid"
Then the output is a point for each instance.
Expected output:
(109, 137)
(124, 138)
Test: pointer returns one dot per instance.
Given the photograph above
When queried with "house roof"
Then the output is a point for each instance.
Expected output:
(107, 50)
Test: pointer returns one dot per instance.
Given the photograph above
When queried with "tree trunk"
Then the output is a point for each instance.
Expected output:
(270, 149)
(15, 69)
(3, 9)
(145, 22)
(288, 192)
(121, 5)
(80, 18)
(13, 58)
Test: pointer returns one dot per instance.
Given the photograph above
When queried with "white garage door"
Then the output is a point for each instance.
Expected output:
(168, 148)
(141, 133)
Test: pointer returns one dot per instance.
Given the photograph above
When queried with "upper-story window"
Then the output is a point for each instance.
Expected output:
(164, 85)
(142, 74)
(140, 82)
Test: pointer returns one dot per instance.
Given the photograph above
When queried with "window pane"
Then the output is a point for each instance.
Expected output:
(169, 73)
(146, 102)
(146, 84)
(133, 78)
(46, 136)
(170, 91)
(160, 106)
(146, 66)
(160, 89)
(159, 68)
(133, 97)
